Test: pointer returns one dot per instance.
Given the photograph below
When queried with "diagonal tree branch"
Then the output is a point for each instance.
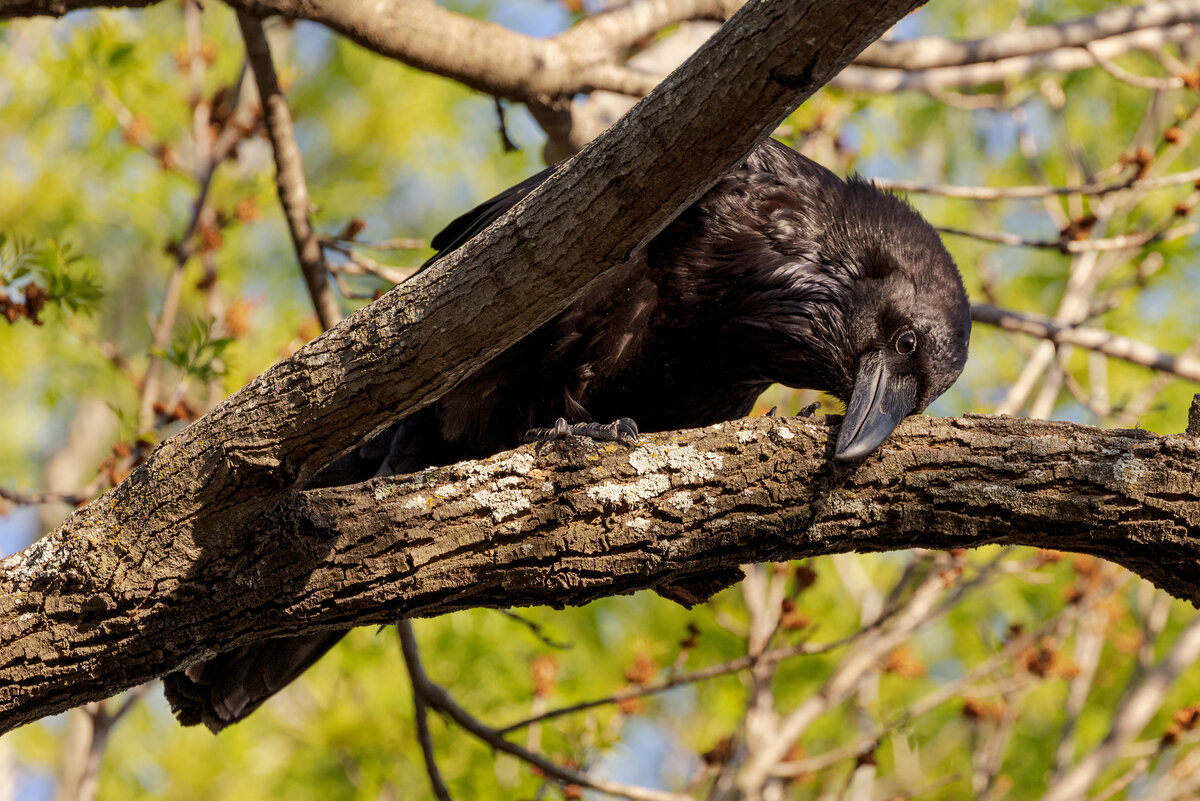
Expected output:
(78, 621)
(436, 696)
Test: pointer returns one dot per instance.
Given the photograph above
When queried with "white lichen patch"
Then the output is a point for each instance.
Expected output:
(474, 474)
(415, 502)
(502, 503)
(384, 491)
(50, 554)
(746, 435)
(611, 494)
(1129, 471)
(547, 486)
(783, 432)
(717, 426)
(681, 501)
(640, 523)
(520, 462)
(692, 465)
(448, 490)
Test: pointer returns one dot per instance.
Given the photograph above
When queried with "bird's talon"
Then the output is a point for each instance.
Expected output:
(624, 431)
(809, 410)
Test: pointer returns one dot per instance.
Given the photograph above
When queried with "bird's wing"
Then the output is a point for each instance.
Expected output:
(462, 228)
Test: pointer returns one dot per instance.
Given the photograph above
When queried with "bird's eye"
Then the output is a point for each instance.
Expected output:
(906, 343)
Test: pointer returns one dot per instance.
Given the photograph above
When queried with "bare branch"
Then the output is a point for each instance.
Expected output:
(973, 74)
(79, 622)
(1125, 76)
(289, 172)
(363, 265)
(735, 666)
(865, 655)
(1114, 345)
(1038, 191)
(39, 498)
(1123, 242)
(930, 52)
(412, 660)
(438, 698)
(209, 155)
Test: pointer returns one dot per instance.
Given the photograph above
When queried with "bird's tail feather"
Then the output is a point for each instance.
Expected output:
(230, 686)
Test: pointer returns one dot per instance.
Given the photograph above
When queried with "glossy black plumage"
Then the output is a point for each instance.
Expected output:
(782, 272)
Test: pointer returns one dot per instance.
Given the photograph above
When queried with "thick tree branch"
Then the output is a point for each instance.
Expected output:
(504, 63)
(82, 618)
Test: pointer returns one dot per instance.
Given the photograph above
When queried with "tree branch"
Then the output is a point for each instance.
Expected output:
(436, 696)
(933, 52)
(289, 172)
(1110, 344)
(82, 618)
(1039, 191)
(970, 75)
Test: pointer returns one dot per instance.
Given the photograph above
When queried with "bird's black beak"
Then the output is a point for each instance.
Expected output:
(879, 401)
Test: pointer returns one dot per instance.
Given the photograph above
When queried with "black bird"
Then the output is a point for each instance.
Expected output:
(782, 273)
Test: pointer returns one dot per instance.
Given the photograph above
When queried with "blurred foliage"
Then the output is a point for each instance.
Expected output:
(97, 149)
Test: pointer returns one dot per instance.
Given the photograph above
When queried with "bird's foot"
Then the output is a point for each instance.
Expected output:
(809, 410)
(624, 431)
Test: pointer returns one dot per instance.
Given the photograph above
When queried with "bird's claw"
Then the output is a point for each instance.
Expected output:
(809, 410)
(624, 431)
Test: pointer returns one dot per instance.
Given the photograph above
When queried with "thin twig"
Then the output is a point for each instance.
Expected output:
(203, 169)
(1110, 344)
(1123, 242)
(1098, 189)
(100, 723)
(438, 698)
(871, 740)
(399, 243)
(1065, 59)
(537, 631)
(39, 498)
(289, 172)
(363, 265)
(1125, 76)
(866, 654)
(931, 52)
(408, 645)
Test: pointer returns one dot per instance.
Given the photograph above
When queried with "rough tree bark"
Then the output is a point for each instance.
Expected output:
(200, 490)
(86, 618)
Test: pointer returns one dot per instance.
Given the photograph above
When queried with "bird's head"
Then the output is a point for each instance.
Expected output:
(904, 315)
(856, 295)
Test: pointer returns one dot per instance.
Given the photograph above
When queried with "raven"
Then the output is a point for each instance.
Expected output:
(782, 272)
